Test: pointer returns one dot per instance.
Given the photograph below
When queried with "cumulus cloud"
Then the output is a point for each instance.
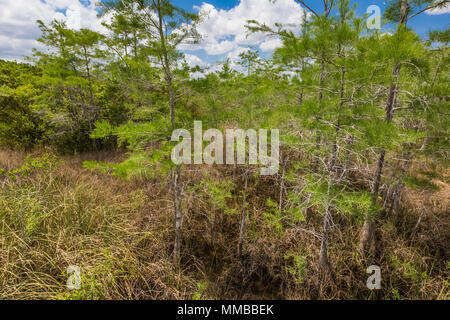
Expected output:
(19, 30)
(234, 55)
(197, 75)
(224, 31)
(438, 11)
(194, 61)
(271, 45)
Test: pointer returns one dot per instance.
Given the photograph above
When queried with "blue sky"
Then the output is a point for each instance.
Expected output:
(422, 23)
(223, 26)
(223, 4)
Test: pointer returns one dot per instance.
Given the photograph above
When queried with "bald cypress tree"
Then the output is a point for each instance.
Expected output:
(400, 11)
(325, 52)
(69, 77)
(157, 28)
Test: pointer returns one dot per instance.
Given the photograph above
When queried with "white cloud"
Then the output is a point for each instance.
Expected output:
(234, 55)
(271, 45)
(224, 31)
(193, 61)
(19, 30)
(215, 68)
(197, 75)
(438, 11)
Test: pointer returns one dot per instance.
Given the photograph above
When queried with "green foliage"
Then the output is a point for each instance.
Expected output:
(20, 126)
(420, 183)
(358, 204)
(326, 88)
(273, 216)
(45, 163)
(217, 193)
(393, 11)
(299, 267)
(133, 135)
(408, 270)
(202, 286)
(136, 166)
(74, 97)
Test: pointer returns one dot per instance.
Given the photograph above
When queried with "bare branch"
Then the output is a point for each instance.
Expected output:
(429, 8)
(307, 7)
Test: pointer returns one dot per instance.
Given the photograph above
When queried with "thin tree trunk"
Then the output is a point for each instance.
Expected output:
(176, 174)
(338, 125)
(88, 72)
(212, 222)
(367, 239)
(94, 111)
(300, 97)
(404, 10)
(322, 79)
(320, 98)
(172, 97)
(398, 189)
(178, 218)
(436, 74)
(244, 216)
(323, 255)
(280, 203)
(422, 214)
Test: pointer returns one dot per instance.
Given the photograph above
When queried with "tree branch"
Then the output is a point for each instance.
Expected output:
(307, 7)
(429, 8)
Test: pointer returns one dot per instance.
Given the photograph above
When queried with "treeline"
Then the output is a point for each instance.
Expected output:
(356, 108)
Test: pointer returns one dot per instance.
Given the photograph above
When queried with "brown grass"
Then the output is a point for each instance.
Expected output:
(120, 234)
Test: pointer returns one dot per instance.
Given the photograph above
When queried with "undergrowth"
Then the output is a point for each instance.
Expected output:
(119, 233)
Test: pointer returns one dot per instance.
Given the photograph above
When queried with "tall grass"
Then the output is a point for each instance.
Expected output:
(66, 216)
(120, 234)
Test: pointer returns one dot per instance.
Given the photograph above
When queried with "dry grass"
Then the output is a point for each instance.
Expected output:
(120, 234)
(72, 217)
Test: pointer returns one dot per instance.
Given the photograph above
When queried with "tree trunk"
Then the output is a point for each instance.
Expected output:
(367, 239)
(320, 98)
(300, 97)
(94, 110)
(244, 216)
(404, 10)
(398, 189)
(280, 203)
(302, 90)
(338, 125)
(322, 79)
(178, 218)
(422, 214)
(176, 174)
(171, 95)
(323, 255)
(212, 222)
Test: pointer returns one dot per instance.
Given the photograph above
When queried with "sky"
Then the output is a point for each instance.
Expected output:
(222, 27)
